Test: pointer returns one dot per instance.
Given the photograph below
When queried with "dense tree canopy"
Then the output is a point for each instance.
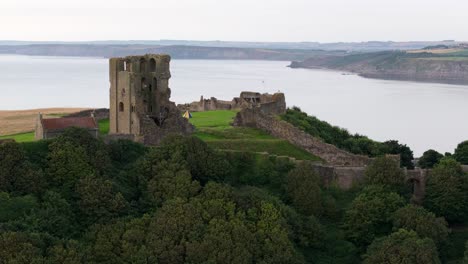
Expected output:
(461, 153)
(369, 215)
(303, 187)
(385, 171)
(423, 222)
(429, 159)
(447, 191)
(402, 247)
(75, 199)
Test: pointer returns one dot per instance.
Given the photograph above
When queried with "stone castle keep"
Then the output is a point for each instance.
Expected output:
(140, 108)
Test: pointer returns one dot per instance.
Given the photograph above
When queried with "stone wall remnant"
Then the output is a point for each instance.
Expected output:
(271, 103)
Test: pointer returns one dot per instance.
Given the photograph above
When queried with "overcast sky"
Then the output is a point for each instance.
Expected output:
(243, 20)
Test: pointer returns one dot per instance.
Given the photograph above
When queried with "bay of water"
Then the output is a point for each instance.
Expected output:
(422, 115)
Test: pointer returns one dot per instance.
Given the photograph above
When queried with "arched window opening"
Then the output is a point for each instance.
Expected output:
(155, 84)
(142, 65)
(133, 108)
(121, 107)
(150, 87)
(145, 105)
(143, 83)
(152, 65)
(125, 66)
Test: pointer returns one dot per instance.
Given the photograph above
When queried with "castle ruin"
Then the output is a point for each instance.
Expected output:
(271, 103)
(140, 108)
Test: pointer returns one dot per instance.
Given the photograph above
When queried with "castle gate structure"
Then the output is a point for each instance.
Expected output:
(140, 108)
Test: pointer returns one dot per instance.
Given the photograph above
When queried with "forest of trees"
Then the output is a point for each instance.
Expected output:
(75, 199)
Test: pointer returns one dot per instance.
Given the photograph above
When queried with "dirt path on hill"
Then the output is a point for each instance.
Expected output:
(19, 121)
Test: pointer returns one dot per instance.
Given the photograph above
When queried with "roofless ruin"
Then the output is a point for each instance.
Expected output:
(140, 108)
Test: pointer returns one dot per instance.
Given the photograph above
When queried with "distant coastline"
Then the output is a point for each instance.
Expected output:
(448, 68)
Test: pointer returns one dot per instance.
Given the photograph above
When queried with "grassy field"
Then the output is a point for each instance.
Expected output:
(29, 136)
(214, 128)
(22, 121)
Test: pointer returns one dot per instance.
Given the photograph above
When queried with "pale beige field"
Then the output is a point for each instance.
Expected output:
(436, 51)
(19, 121)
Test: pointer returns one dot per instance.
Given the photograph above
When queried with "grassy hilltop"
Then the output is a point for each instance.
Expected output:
(214, 128)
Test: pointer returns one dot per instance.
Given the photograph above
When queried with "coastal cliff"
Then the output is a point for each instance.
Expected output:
(396, 65)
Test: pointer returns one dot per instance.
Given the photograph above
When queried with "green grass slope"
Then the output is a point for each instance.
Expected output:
(214, 128)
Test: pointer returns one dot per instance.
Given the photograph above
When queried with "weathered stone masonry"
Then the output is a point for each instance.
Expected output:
(140, 108)
(255, 117)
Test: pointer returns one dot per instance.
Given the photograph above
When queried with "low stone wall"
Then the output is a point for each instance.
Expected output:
(465, 168)
(274, 126)
(99, 114)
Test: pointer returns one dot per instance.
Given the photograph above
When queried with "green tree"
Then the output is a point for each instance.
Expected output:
(465, 259)
(447, 191)
(19, 248)
(395, 148)
(16, 173)
(97, 152)
(98, 201)
(429, 159)
(303, 189)
(204, 163)
(423, 222)
(13, 208)
(386, 172)
(461, 153)
(67, 163)
(69, 252)
(369, 215)
(54, 216)
(402, 247)
(172, 180)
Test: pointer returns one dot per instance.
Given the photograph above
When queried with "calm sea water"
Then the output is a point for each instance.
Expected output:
(419, 114)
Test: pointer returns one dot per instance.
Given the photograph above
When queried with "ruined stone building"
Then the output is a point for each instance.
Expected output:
(273, 103)
(139, 99)
(47, 128)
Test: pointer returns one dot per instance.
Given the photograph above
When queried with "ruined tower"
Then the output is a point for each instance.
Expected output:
(139, 99)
